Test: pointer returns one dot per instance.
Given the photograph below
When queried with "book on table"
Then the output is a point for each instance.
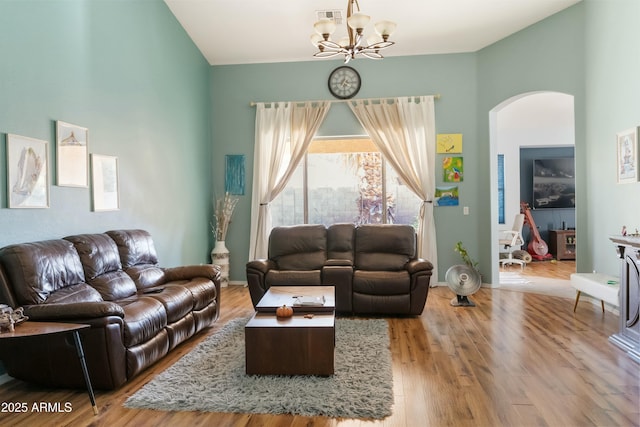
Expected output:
(308, 301)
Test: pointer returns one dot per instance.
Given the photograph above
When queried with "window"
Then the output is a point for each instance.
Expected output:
(345, 180)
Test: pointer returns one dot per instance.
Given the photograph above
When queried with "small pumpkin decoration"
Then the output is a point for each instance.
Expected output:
(284, 312)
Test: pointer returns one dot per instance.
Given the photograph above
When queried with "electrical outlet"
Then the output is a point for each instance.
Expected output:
(465, 210)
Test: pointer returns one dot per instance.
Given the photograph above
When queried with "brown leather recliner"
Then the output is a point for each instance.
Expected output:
(373, 267)
(80, 279)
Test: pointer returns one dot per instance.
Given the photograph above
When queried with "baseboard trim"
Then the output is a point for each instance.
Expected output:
(237, 283)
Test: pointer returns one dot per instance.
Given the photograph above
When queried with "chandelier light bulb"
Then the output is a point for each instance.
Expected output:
(315, 39)
(385, 29)
(325, 27)
(358, 21)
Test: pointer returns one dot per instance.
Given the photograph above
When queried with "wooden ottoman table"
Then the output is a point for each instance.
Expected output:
(303, 344)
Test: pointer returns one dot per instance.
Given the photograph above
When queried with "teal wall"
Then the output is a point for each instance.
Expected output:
(128, 72)
(233, 119)
(612, 105)
(545, 56)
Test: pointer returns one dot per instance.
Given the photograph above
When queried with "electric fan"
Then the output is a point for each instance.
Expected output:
(464, 281)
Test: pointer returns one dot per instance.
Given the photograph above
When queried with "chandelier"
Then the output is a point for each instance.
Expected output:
(355, 44)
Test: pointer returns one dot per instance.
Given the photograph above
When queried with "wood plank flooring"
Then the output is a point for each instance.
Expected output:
(516, 359)
(550, 269)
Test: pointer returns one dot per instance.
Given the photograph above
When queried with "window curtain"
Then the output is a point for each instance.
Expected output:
(403, 129)
(283, 134)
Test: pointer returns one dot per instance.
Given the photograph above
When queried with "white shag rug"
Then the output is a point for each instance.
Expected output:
(212, 378)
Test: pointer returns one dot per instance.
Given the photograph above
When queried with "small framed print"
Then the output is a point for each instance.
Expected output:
(104, 172)
(448, 143)
(72, 155)
(234, 174)
(27, 172)
(627, 159)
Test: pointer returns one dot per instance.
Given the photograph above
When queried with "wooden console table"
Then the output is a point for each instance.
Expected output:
(562, 244)
(628, 335)
(39, 329)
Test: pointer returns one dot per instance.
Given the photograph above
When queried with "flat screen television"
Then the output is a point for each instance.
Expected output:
(554, 183)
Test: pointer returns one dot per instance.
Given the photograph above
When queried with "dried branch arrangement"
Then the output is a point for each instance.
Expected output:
(222, 216)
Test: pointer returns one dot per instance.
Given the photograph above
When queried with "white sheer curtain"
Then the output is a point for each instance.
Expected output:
(283, 134)
(403, 129)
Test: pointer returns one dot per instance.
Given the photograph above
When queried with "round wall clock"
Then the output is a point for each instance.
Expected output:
(344, 82)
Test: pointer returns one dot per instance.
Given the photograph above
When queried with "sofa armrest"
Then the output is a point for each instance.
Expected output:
(418, 265)
(73, 311)
(261, 266)
(187, 272)
(256, 277)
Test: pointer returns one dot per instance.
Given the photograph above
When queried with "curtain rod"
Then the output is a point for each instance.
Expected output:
(334, 101)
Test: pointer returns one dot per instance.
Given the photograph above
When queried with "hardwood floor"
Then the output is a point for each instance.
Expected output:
(516, 359)
(551, 269)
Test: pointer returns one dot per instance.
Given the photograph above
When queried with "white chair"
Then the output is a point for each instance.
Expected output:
(512, 241)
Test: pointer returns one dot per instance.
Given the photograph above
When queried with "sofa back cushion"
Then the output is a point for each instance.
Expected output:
(138, 256)
(135, 247)
(38, 269)
(101, 263)
(298, 247)
(384, 246)
(340, 241)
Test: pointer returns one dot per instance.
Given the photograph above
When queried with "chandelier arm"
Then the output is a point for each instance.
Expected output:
(371, 55)
(379, 45)
(325, 54)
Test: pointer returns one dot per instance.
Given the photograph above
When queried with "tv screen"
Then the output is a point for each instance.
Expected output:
(554, 184)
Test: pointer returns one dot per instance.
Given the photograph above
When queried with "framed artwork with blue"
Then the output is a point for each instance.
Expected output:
(234, 174)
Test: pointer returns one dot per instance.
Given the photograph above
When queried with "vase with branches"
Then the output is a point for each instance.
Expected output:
(223, 211)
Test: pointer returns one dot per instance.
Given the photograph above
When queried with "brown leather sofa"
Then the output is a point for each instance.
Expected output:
(373, 267)
(137, 311)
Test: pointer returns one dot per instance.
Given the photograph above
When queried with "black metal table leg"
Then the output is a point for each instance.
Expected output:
(85, 372)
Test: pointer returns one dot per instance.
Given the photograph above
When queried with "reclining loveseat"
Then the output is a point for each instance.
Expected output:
(137, 311)
(373, 267)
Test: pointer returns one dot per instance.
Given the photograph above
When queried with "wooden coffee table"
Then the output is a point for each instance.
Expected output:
(300, 345)
(31, 329)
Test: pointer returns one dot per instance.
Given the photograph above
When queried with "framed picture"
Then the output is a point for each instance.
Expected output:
(72, 155)
(448, 143)
(105, 183)
(27, 172)
(627, 166)
(447, 196)
(453, 169)
(234, 174)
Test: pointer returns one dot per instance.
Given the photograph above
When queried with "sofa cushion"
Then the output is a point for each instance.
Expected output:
(144, 318)
(340, 241)
(380, 247)
(102, 269)
(146, 275)
(299, 278)
(301, 247)
(135, 247)
(74, 293)
(39, 269)
(202, 291)
(381, 282)
(177, 300)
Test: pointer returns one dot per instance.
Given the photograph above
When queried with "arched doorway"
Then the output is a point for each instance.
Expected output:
(541, 121)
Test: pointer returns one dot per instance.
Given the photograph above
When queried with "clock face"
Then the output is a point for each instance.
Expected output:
(344, 82)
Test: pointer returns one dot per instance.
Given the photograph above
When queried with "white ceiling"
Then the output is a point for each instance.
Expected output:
(259, 31)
